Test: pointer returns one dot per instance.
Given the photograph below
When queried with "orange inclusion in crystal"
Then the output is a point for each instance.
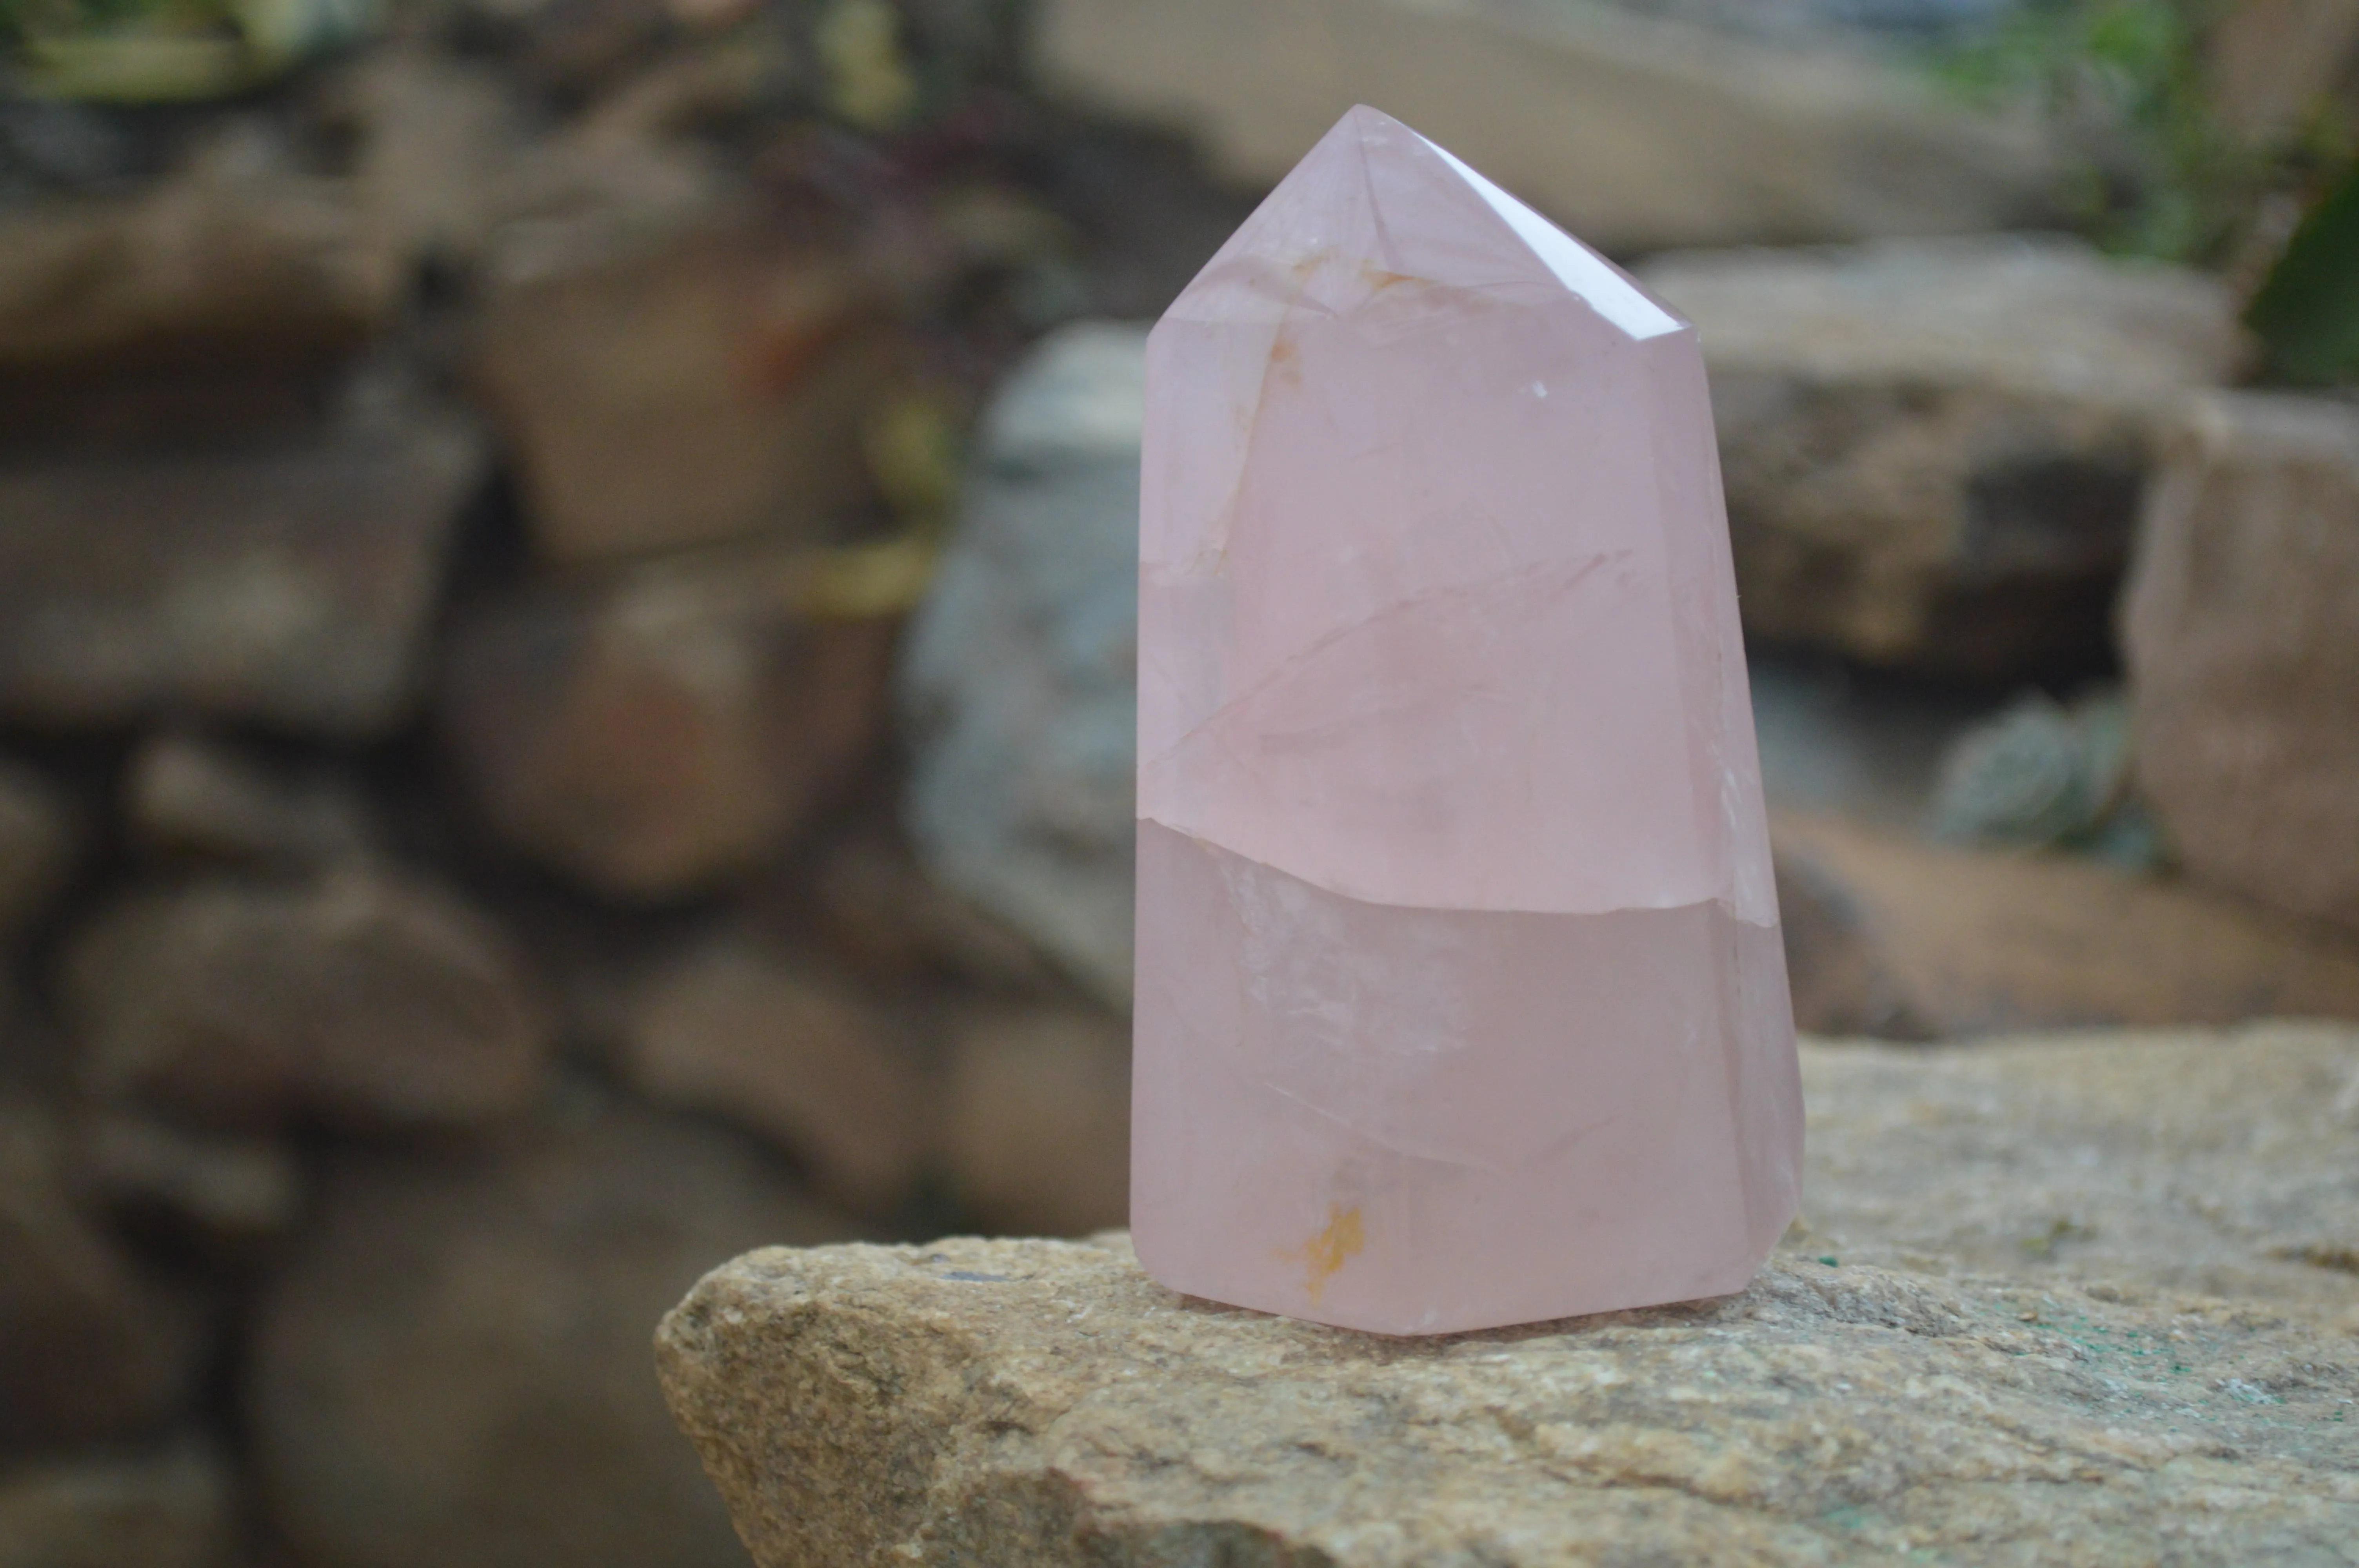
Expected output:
(1326, 1253)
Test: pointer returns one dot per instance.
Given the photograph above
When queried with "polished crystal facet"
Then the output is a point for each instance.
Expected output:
(1460, 994)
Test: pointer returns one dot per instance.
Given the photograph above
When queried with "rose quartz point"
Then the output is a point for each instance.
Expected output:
(1461, 1000)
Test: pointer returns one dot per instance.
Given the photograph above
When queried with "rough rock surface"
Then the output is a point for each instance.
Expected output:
(670, 727)
(36, 843)
(711, 387)
(1036, 1134)
(1934, 451)
(1972, 1351)
(294, 587)
(2242, 630)
(91, 1349)
(1637, 133)
(169, 1510)
(1020, 675)
(1888, 937)
(454, 1371)
(2183, 1160)
(1043, 1403)
(741, 1031)
(355, 999)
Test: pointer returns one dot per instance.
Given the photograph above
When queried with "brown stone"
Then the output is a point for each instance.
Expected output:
(710, 385)
(356, 998)
(1038, 1120)
(2272, 65)
(2188, 1160)
(226, 298)
(37, 843)
(2242, 630)
(1639, 134)
(210, 1199)
(173, 1508)
(91, 1349)
(188, 796)
(1044, 1403)
(454, 1371)
(295, 586)
(882, 917)
(741, 1031)
(1891, 937)
(1934, 451)
(669, 728)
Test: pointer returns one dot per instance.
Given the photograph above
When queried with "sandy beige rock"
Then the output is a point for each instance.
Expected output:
(757, 1037)
(2242, 631)
(37, 842)
(169, 1509)
(2187, 1161)
(1888, 937)
(669, 728)
(1038, 1134)
(453, 1373)
(1637, 134)
(708, 386)
(294, 586)
(355, 999)
(1043, 1403)
(91, 1348)
(1934, 451)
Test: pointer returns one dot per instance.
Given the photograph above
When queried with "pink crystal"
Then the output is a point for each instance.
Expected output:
(1461, 1000)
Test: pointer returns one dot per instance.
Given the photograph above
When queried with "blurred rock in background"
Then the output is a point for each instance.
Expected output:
(566, 637)
(1934, 450)
(1639, 132)
(1020, 680)
(2243, 633)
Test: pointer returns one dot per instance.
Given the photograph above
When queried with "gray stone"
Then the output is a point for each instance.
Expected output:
(37, 844)
(295, 586)
(1637, 133)
(1038, 1120)
(2185, 1161)
(1888, 937)
(453, 1373)
(91, 1348)
(741, 1031)
(169, 1510)
(356, 998)
(2242, 631)
(1019, 675)
(671, 726)
(1043, 1403)
(1934, 451)
(188, 796)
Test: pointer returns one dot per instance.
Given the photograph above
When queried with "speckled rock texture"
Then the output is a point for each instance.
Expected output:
(1989, 1388)
(2187, 1159)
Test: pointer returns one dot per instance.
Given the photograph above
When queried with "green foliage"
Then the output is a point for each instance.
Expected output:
(2122, 82)
(2307, 313)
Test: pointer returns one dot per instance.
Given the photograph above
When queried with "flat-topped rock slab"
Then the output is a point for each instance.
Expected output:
(1044, 1403)
(1986, 1344)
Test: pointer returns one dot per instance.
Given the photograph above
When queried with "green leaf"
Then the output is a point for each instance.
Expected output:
(2307, 313)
